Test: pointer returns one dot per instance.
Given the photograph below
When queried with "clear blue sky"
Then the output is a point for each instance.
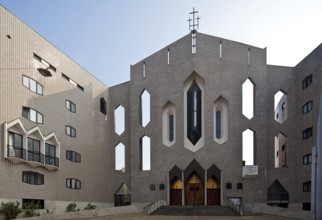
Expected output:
(107, 36)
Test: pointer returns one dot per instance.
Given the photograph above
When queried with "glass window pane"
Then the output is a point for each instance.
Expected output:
(32, 85)
(32, 115)
(25, 81)
(39, 89)
(39, 118)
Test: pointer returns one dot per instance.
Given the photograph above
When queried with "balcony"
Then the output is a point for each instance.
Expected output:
(16, 154)
(250, 171)
(51, 163)
(277, 198)
(35, 159)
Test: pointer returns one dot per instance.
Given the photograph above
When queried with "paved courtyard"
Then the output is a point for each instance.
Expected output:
(140, 216)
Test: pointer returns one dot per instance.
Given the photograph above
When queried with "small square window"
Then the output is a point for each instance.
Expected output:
(239, 186)
(229, 186)
(161, 186)
(152, 187)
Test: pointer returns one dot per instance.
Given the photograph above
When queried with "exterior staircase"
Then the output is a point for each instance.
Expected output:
(195, 211)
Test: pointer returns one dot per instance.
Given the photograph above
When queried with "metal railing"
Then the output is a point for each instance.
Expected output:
(277, 197)
(35, 156)
(17, 152)
(53, 161)
(234, 207)
(152, 207)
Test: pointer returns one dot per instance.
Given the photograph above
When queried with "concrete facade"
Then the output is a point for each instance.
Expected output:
(219, 66)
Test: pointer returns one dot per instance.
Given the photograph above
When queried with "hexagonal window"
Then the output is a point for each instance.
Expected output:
(119, 120)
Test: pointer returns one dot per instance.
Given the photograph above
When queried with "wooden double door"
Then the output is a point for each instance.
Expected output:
(195, 194)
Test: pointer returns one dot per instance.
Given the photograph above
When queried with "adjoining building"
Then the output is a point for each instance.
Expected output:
(180, 132)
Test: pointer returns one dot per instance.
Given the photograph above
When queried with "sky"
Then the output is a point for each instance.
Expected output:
(107, 36)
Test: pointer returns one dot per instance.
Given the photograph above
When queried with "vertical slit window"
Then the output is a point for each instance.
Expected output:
(145, 108)
(168, 56)
(145, 153)
(171, 128)
(248, 98)
(218, 124)
(220, 49)
(143, 71)
(248, 147)
(248, 57)
(194, 42)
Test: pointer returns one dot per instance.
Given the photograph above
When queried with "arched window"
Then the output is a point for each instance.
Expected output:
(194, 113)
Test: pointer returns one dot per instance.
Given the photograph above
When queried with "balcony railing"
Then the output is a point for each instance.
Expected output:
(35, 157)
(17, 152)
(52, 161)
(278, 197)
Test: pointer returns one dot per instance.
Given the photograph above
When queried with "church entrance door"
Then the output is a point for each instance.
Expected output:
(194, 190)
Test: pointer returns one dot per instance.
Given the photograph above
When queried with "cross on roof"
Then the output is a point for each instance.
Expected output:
(195, 21)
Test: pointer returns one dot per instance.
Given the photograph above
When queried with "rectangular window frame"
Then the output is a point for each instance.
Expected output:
(32, 115)
(73, 156)
(307, 159)
(70, 106)
(307, 107)
(33, 178)
(307, 81)
(307, 186)
(70, 131)
(72, 183)
(307, 133)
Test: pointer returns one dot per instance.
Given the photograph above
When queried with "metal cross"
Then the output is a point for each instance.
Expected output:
(194, 25)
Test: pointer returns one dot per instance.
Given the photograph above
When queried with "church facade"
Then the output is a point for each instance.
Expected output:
(179, 130)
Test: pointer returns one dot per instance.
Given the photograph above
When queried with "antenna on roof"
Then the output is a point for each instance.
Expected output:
(195, 21)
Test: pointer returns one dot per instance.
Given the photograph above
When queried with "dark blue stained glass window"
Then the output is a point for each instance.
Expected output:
(194, 113)
(171, 128)
(218, 124)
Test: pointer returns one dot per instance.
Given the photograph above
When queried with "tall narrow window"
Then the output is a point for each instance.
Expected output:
(168, 56)
(194, 41)
(50, 155)
(281, 150)
(280, 107)
(145, 108)
(120, 157)
(119, 120)
(171, 128)
(220, 49)
(248, 147)
(194, 113)
(143, 71)
(34, 151)
(15, 148)
(248, 57)
(145, 153)
(248, 98)
(103, 105)
(218, 124)
(168, 124)
(220, 117)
